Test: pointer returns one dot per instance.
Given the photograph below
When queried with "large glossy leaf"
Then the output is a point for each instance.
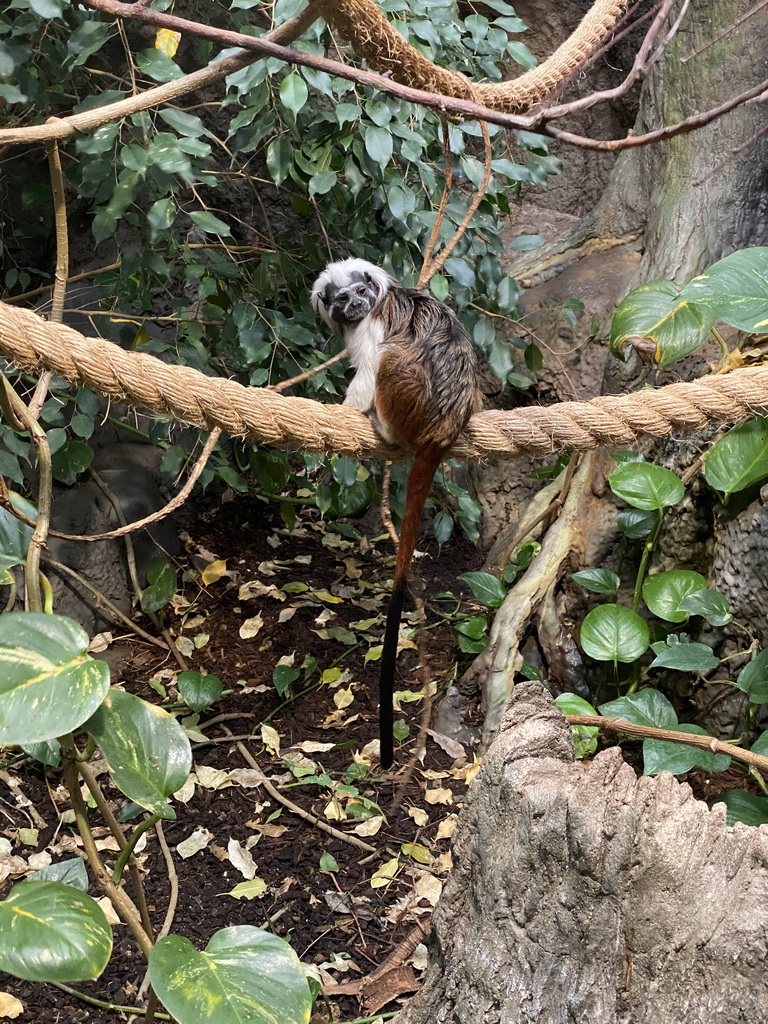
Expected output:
(488, 590)
(15, 535)
(245, 976)
(739, 459)
(745, 807)
(664, 592)
(49, 684)
(710, 604)
(657, 311)
(614, 633)
(753, 679)
(683, 656)
(736, 288)
(645, 486)
(148, 753)
(646, 707)
(52, 932)
(663, 756)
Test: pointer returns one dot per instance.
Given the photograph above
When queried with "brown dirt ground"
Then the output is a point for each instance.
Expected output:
(334, 920)
(301, 902)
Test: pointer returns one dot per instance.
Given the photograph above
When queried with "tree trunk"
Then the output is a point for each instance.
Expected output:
(581, 894)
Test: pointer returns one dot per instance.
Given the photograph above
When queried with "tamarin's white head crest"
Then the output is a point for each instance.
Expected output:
(347, 291)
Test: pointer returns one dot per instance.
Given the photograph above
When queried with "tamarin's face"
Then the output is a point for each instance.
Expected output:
(352, 302)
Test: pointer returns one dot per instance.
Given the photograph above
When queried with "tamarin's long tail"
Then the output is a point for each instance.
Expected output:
(419, 483)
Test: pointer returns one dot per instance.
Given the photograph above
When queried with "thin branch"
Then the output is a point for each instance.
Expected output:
(708, 743)
(732, 27)
(139, 524)
(64, 127)
(426, 273)
(309, 373)
(299, 811)
(101, 600)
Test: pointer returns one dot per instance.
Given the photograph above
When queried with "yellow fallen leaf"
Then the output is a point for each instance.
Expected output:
(167, 41)
(327, 596)
(214, 570)
(385, 873)
(419, 815)
(251, 627)
(419, 853)
(343, 698)
(438, 796)
(447, 827)
(370, 826)
(271, 739)
(109, 911)
(10, 1006)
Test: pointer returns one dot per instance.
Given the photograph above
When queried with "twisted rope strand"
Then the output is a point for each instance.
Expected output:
(269, 417)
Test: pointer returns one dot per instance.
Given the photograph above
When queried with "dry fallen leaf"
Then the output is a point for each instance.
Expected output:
(451, 746)
(211, 778)
(419, 815)
(343, 698)
(251, 627)
(370, 826)
(10, 1006)
(248, 778)
(213, 571)
(428, 887)
(187, 791)
(447, 827)
(241, 859)
(271, 739)
(438, 796)
(313, 747)
(385, 873)
(195, 842)
(109, 911)
(255, 588)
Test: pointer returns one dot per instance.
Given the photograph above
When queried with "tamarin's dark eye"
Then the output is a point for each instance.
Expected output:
(325, 297)
(368, 278)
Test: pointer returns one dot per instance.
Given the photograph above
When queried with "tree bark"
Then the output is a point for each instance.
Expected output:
(581, 894)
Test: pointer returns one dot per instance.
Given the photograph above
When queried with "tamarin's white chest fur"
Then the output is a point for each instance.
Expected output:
(365, 342)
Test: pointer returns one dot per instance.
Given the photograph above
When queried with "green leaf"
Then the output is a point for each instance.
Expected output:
(744, 807)
(47, 752)
(684, 657)
(47, 8)
(664, 756)
(600, 581)
(284, 676)
(158, 65)
(185, 124)
(710, 604)
(293, 92)
(245, 976)
(614, 633)
(635, 523)
(519, 52)
(753, 679)
(646, 707)
(584, 736)
(279, 159)
(487, 589)
(210, 224)
(15, 535)
(69, 872)
(655, 310)
(378, 144)
(70, 461)
(736, 288)
(161, 215)
(52, 932)
(199, 691)
(760, 746)
(148, 753)
(739, 459)
(664, 592)
(328, 862)
(646, 486)
(162, 585)
(49, 684)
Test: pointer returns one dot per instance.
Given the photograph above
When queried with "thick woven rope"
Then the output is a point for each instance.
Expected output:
(265, 416)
